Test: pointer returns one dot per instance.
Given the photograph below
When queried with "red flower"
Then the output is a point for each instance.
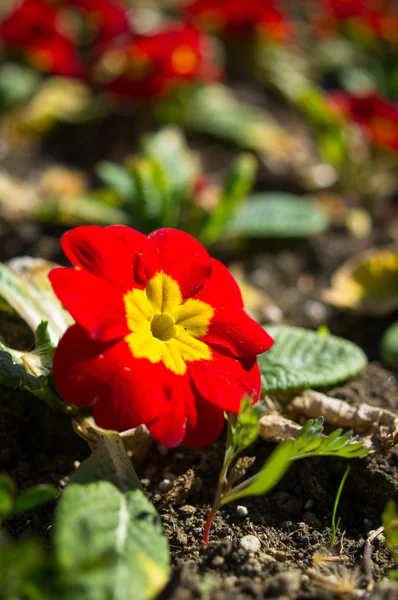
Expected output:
(35, 28)
(152, 65)
(239, 16)
(373, 18)
(377, 116)
(107, 18)
(160, 338)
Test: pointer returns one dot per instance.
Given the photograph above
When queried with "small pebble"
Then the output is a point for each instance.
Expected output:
(218, 561)
(165, 485)
(145, 482)
(250, 543)
(242, 511)
(188, 509)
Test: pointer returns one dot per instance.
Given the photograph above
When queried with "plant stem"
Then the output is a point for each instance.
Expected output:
(209, 522)
(222, 486)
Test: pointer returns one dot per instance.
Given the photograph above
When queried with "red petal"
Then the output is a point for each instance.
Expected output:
(94, 304)
(209, 425)
(119, 254)
(183, 258)
(224, 380)
(170, 428)
(237, 332)
(221, 289)
(126, 391)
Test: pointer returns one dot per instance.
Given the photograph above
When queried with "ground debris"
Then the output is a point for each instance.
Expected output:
(273, 427)
(362, 418)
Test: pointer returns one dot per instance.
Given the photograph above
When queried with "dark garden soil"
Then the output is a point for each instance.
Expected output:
(293, 522)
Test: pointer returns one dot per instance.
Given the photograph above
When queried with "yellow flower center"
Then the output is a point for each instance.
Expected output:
(165, 328)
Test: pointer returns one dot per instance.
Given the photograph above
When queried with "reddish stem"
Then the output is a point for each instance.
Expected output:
(209, 522)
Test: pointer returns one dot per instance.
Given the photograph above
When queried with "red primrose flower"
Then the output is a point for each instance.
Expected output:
(35, 28)
(148, 66)
(377, 116)
(238, 16)
(161, 336)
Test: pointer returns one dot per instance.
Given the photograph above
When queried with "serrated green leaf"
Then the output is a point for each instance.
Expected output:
(303, 359)
(13, 374)
(310, 442)
(107, 462)
(277, 214)
(389, 346)
(109, 545)
(271, 473)
(33, 498)
(7, 493)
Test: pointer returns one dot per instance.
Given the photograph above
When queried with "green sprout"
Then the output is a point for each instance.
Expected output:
(242, 432)
(336, 524)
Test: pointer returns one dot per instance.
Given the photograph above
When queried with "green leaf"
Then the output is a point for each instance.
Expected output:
(169, 148)
(17, 84)
(7, 493)
(44, 346)
(238, 183)
(33, 498)
(245, 429)
(14, 374)
(215, 110)
(271, 473)
(389, 346)
(21, 563)
(25, 286)
(109, 545)
(310, 442)
(84, 209)
(107, 462)
(116, 177)
(151, 193)
(390, 521)
(276, 214)
(302, 359)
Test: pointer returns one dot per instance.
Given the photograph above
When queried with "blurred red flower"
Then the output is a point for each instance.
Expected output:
(240, 16)
(106, 18)
(371, 18)
(147, 66)
(160, 338)
(377, 116)
(37, 29)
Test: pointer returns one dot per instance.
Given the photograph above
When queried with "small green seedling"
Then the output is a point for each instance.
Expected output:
(390, 522)
(12, 504)
(242, 431)
(336, 524)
